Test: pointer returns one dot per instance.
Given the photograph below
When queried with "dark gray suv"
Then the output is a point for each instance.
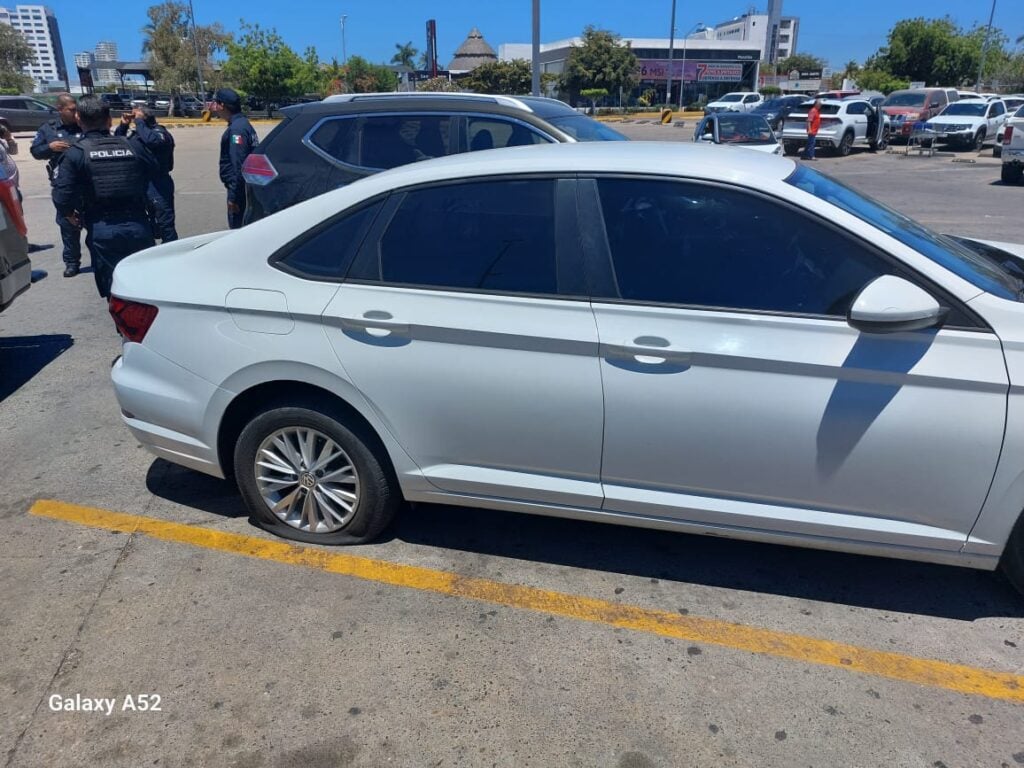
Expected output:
(328, 144)
(23, 113)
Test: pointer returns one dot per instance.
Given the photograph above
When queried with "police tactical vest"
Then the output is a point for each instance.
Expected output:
(117, 176)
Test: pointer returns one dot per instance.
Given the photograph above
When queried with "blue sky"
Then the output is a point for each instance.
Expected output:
(836, 31)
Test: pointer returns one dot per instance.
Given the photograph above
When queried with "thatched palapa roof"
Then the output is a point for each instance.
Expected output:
(472, 53)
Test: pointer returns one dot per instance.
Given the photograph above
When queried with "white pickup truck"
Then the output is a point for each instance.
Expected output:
(1013, 149)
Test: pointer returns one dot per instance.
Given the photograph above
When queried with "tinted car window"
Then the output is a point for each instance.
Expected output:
(857, 108)
(998, 109)
(495, 133)
(698, 245)
(337, 138)
(491, 236)
(387, 141)
(582, 128)
(328, 251)
(12, 104)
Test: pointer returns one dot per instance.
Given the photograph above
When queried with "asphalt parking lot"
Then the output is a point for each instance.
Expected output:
(467, 637)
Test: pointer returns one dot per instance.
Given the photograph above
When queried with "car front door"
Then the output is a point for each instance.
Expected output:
(737, 396)
(465, 323)
(857, 114)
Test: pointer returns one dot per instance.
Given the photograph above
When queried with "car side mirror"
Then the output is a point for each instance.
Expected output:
(889, 304)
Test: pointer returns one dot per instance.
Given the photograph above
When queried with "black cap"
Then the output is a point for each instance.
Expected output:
(228, 97)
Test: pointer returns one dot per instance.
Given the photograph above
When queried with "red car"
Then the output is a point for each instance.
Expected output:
(905, 108)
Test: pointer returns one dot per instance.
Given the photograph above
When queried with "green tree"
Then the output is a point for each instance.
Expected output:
(800, 62)
(507, 77)
(592, 95)
(360, 76)
(262, 64)
(405, 55)
(15, 53)
(310, 77)
(877, 80)
(168, 42)
(936, 52)
(602, 61)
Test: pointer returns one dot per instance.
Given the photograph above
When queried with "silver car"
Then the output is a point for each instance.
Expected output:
(660, 335)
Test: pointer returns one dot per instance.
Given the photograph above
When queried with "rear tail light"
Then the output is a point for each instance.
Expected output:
(830, 121)
(1008, 135)
(132, 318)
(258, 170)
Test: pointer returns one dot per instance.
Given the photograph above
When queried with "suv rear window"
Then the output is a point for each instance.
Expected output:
(383, 141)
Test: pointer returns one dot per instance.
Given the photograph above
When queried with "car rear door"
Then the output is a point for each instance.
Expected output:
(737, 396)
(857, 116)
(465, 323)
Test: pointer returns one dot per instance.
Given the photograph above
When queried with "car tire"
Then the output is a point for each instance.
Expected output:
(790, 147)
(364, 478)
(1011, 174)
(1012, 561)
(881, 144)
(845, 144)
(979, 140)
(997, 150)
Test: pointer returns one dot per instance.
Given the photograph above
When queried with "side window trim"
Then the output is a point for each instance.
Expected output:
(600, 263)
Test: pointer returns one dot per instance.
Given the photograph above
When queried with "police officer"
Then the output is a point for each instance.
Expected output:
(159, 141)
(235, 145)
(101, 185)
(51, 142)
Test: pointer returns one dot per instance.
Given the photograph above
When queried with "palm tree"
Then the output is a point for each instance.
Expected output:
(405, 56)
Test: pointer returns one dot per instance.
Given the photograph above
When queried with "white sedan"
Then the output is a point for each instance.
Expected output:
(970, 122)
(649, 334)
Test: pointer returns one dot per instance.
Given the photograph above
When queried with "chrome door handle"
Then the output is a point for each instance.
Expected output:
(649, 350)
(374, 320)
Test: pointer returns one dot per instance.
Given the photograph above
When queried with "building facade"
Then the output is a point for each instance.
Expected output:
(105, 51)
(38, 25)
(702, 67)
(756, 28)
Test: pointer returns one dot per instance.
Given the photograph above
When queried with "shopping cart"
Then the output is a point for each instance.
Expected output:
(922, 139)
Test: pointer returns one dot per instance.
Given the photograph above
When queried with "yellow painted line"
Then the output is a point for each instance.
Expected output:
(896, 666)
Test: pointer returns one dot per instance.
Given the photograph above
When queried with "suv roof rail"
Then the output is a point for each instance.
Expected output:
(507, 101)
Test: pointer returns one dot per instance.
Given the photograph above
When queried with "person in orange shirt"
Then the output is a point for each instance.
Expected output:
(813, 124)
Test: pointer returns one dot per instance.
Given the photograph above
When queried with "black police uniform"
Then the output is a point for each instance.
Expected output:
(159, 141)
(105, 178)
(56, 130)
(235, 145)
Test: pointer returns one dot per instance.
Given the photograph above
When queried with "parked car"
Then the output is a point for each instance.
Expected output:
(907, 107)
(739, 130)
(968, 94)
(1013, 103)
(844, 125)
(115, 101)
(188, 106)
(782, 360)
(738, 101)
(15, 267)
(24, 113)
(969, 122)
(327, 144)
(1013, 149)
(838, 95)
(776, 110)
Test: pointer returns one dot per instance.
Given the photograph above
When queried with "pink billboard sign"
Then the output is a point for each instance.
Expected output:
(695, 71)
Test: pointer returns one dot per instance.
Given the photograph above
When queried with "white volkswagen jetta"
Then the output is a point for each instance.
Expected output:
(660, 335)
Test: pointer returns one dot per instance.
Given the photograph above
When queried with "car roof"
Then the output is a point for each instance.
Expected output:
(640, 157)
(448, 102)
(484, 98)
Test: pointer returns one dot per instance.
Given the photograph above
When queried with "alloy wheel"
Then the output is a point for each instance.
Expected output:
(307, 480)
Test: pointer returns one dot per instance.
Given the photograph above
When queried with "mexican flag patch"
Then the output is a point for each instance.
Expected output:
(236, 139)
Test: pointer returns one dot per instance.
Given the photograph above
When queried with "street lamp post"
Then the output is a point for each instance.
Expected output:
(344, 53)
(984, 47)
(535, 74)
(671, 50)
(200, 91)
(682, 77)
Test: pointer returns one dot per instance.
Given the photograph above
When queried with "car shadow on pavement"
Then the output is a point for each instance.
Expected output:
(833, 577)
(194, 489)
(22, 357)
(868, 582)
